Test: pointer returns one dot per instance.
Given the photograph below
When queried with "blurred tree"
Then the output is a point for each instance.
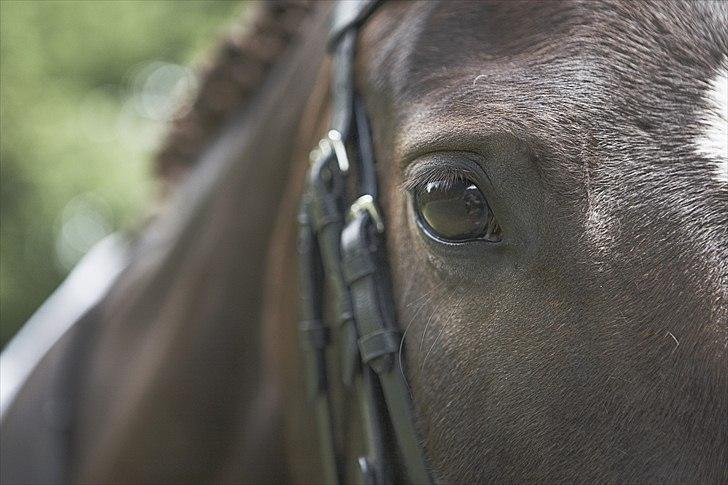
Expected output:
(85, 88)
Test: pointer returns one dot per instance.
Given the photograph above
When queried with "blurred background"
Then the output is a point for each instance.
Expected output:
(86, 88)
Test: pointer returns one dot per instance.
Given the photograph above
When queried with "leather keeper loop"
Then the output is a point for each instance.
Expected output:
(378, 348)
(358, 262)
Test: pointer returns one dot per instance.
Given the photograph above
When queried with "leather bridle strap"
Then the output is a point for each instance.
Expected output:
(348, 16)
(342, 250)
(379, 342)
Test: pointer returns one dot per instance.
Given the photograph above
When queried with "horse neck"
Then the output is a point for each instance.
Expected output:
(178, 347)
(239, 66)
(280, 344)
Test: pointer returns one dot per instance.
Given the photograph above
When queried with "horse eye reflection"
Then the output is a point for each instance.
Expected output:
(453, 210)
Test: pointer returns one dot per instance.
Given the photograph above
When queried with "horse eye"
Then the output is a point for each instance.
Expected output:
(455, 211)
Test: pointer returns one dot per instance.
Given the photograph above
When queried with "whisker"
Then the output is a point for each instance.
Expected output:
(427, 296)
(422, 365)
(401, 343)
(424, 332)
(399, 357)
(442, 328)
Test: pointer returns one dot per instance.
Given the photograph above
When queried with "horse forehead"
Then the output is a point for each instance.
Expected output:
(564, 64)
(618, 91)
(419, 39)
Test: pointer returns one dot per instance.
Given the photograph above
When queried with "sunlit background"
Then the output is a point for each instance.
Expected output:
(86, 88)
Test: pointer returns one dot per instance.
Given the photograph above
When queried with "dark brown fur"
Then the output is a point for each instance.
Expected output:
(552, 358)
(590, 346)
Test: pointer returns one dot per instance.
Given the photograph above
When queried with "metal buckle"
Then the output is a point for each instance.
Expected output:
(337, 144)
(333, 141)
(365, 203)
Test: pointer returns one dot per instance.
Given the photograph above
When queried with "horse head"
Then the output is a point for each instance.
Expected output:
(553, 183)
(579, 335)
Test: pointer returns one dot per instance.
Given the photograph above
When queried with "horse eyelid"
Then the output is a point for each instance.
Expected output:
(421, 175)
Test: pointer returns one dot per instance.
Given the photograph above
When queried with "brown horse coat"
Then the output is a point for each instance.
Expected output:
(590, 345)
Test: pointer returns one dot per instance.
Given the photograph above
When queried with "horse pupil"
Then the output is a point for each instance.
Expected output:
(454, 211)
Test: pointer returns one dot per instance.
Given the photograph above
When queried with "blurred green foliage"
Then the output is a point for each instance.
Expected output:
(74, 149)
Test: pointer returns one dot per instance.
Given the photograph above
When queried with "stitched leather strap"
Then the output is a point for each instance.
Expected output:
(327, 188)
(366, 273)
(347, 17)
(314, 337)
(351, 259)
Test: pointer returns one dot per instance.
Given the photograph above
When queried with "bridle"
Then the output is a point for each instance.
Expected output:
(342, 255)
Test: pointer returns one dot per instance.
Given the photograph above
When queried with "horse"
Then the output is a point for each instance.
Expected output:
(579, 334)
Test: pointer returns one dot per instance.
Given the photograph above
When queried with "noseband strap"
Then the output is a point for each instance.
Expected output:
(342, 258)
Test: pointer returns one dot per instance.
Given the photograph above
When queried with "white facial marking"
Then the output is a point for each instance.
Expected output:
(713, 142)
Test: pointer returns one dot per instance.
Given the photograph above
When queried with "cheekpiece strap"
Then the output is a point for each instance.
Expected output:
(342, 256)
(349, 15)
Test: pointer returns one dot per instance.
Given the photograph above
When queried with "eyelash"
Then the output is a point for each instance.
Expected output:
(418, 178)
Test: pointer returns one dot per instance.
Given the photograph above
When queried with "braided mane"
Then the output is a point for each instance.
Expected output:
(238, 67)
